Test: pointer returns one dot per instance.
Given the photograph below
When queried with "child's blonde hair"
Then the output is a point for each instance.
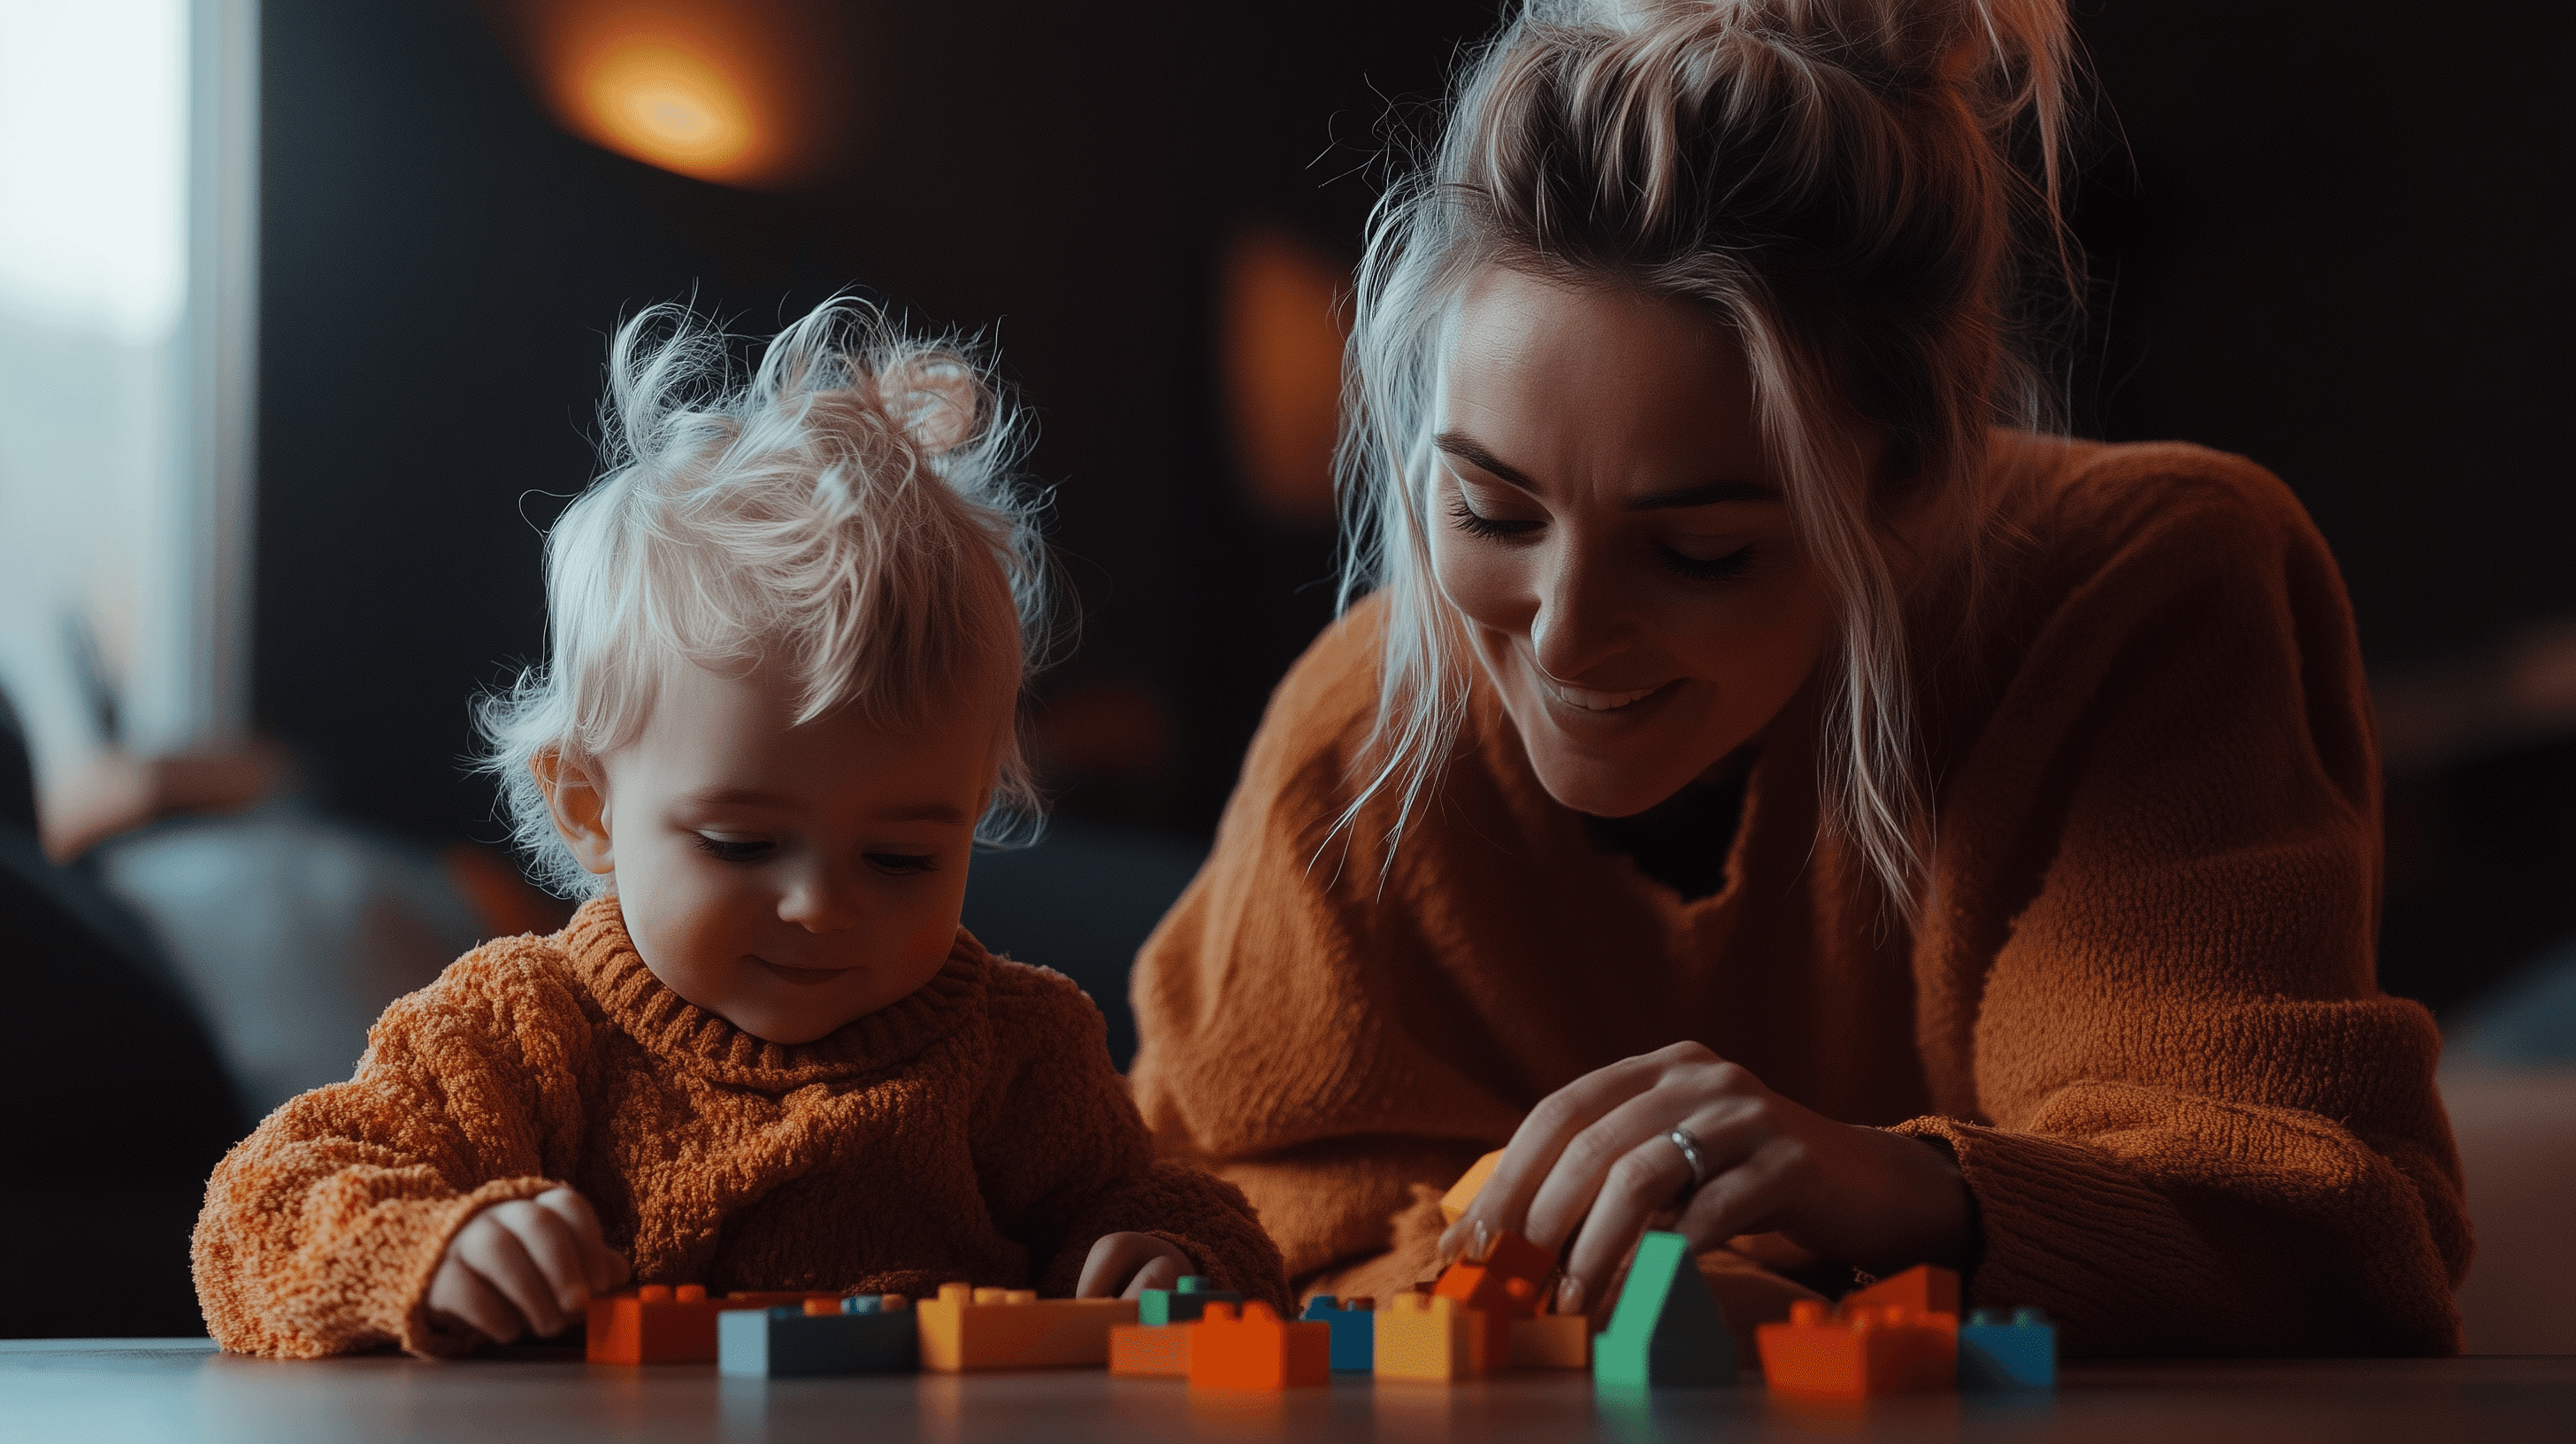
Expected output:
(850, 514)
(1850, 188)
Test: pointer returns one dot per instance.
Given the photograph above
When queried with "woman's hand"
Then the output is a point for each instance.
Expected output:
(1592, 1163)
(1123, 1265)
(527, 1266)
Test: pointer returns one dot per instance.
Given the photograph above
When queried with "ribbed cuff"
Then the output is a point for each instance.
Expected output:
(2066, 1227)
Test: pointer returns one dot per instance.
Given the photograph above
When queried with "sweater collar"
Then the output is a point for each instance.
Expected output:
(604, 957)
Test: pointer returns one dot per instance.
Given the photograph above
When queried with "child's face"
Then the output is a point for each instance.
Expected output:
(789, 878)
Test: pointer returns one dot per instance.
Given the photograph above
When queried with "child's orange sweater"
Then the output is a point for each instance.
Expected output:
(973, 1131)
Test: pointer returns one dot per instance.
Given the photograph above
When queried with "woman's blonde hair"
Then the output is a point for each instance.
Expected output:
(849, 514)
(1853, 188)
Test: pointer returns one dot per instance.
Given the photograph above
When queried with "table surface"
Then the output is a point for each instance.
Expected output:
(148, 1389)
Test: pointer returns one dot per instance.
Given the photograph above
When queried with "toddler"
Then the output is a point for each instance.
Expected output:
(790, 629)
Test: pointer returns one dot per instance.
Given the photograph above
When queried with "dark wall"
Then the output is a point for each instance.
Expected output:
(2329, 236)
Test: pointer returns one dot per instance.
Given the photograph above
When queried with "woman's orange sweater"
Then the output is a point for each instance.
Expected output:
(2138, 1003)
(974, 1130)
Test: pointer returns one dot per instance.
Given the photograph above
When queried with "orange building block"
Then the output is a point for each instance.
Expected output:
(1259, 1350)
(971, 1328)
(658, 1324)
(1873, 1351)
(1150, 1351)
(1922, 1289)
(1469, 1184)
(1425, 1336)
(1551, 1341)
(1510, 1280)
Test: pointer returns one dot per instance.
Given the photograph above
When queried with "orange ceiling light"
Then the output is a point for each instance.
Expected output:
(738, 92)
(1283, 370)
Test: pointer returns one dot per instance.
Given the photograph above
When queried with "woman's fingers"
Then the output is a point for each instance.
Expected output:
(459, 1293)
(1539, 1144)
(1160, 1272)
(498, 1253)
(1742, 1198)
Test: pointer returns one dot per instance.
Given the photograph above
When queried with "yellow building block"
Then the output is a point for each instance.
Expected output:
(971, 1328)
(1421, 1336)
(1552, 1341)
(1469, 1184)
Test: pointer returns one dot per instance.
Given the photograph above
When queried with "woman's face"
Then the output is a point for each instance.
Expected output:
(1609, 523)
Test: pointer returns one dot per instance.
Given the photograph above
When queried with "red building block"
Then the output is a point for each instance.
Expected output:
(658, 1324)
(1922, 1289)
(1509, 1281)
(1872, 1351)
(1150, 1351)
(1259, 1350)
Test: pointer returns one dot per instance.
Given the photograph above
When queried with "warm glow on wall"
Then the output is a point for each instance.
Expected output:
(1283, 370)
(741, 92)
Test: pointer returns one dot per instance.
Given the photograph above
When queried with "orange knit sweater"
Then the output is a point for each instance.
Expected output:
(2139, 1001)
(974, 1130)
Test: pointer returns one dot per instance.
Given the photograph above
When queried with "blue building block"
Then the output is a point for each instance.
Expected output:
(2000, 1353)
(1354, 1331)
(865, 1337)
(1666, 1328)
(1182, 1303)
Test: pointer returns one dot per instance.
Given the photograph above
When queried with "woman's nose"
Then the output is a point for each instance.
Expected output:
(1583, 616)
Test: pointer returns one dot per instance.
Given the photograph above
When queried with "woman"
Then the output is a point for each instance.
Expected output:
(1775, 798)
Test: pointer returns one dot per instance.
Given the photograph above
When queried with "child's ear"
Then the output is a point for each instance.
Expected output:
(580, 809)
(933, 400)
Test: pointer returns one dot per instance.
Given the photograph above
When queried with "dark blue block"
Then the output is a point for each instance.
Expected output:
(788, 1343)
(1996, 1353)
(1354, 1333)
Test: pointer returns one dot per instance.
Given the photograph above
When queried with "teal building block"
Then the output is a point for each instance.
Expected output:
(1182, 1303)
(1354, 1333)
(788, 1343)
(1996, 1352)
(1666, 1329)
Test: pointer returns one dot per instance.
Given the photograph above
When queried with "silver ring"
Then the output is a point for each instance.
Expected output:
(1680, 1138)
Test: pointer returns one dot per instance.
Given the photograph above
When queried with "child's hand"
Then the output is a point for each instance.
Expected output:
(1126, 1264)
(527, 1266)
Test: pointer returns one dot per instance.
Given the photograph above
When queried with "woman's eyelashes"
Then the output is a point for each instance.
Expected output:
(1472, 524)
(1709, 569)
(902, 864)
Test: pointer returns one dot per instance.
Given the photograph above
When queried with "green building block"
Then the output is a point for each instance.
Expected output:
(1182, 1303)
(1666, 1329)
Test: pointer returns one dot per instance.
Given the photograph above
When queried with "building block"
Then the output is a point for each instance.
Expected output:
(1666, 1328)
(971, 1328)
(1509, 1281)
(1454, 1203)
(1424, 1336)
(1997, 1351)
(1871, 1351)
(1354, 1325)
(861, 1334)
(1258, 1350)
(1151, 1351)
(1551, 1341)
(1181, 1303)
(1922, 1289)
(659, 1324)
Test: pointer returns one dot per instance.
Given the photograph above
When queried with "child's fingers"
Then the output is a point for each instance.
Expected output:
(1161, 1271)
(604, 1267)
(459, 1293)
(556, 1249)
(1111, 1256)
(501, 1257)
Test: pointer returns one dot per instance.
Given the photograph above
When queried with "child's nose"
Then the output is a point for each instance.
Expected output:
(821, 901)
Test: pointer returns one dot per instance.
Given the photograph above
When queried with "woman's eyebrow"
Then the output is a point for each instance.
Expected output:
(1471, 451)
(1711, 494)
